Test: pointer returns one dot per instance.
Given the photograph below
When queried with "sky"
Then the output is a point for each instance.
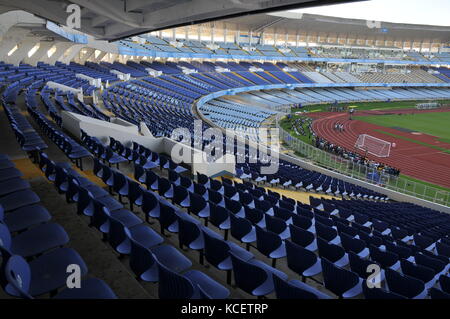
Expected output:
(430, 12)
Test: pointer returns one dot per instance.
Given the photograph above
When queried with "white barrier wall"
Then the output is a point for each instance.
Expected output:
(126, 132)
(121, 76)
(92, 81)
(65, 88)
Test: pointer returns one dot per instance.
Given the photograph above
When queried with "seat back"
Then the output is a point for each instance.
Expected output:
(379, 293)
(298, 258)
(172, 285)
(300, 236)
(267, 241)
(216, 250)
(328, 251)
(403, 285)
(218, 214)
(285, 290)
(247, 276)
(336, 279)
(239, 227)
(275, 224)
(18, 276)
(188, 232)
(141, 258)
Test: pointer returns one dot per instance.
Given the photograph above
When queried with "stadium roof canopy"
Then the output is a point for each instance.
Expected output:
(309, 24)
(115, 19)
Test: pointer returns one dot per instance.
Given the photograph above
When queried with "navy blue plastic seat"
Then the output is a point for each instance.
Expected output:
(24, 217)
(284, 214)
(9, 173)
(118, 236)
(424, 242)
(181, 196)
(90, 288)
(404, 285)
(135, 194)
(303, 238)
(254, 277)
(44, 274)
(174, 177)
(217, 252)
(6, 163)
(438, 294)
(198, 206)
(13, 185)
(151, 180)
(143, 263)
(19, 199)
(270, 244)
(168, 218)
(385, 258)
(108, 177)
(101, 217)
(234, 207)
(242, 230)
(150, 205)
(187, 183)
(302, 261)
(112, 158)
(303, 222)
(86, 206)
(294, 289)
(277, 226)
(364, 268)
(139, 173)
(425, 274)
(443, 249)
(444, 282)
(401, 250)
(219, 217)
(74, 185)
(98, 167)
(216, 198)
(191, 236)
(333, 253)
(175, 286)
(165, 188)
(343, 283)
(379, 293)
(120, 184)
(354, 245)
(439, 266)
(327, 233)
(255, 216)
(35, 240)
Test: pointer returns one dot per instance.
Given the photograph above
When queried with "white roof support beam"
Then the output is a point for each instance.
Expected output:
(44, 46)
(22, 51)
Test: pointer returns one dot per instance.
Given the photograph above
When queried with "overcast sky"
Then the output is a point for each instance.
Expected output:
(431, 12)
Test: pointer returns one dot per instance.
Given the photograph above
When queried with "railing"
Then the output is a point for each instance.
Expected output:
(363, 172)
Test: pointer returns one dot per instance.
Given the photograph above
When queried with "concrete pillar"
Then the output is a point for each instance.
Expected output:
(39, 54)
(85, 57)
(61, 48)
(99, 57)
(22, 51)
(71, 54)
(11, 39)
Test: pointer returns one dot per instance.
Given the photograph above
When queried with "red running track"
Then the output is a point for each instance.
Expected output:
(415, 160)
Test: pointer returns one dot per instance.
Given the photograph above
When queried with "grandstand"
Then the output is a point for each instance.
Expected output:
(108, 163)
